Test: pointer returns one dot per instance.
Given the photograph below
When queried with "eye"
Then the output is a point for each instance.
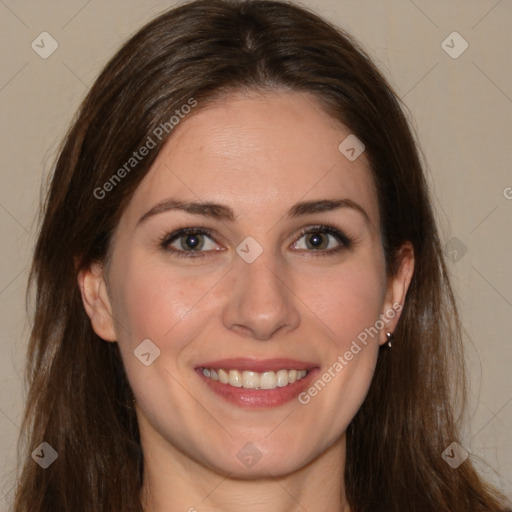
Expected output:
(193, 242)
(188, 242)
(319, 238)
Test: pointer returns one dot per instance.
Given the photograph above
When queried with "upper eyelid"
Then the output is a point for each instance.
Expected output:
(174, 235)
(212, 234)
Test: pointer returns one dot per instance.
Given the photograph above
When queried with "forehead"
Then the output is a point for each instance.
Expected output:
(258, 154)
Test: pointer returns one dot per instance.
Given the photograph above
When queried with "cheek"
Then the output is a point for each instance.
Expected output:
(347, 300)
(153, 302)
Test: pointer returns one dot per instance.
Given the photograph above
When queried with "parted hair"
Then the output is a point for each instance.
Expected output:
(78, 394)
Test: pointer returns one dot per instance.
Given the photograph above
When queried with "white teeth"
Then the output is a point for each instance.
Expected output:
(235, 378)
(268, 380)
(250, 380)
(223, 376)
(282, 378)
(255, 380)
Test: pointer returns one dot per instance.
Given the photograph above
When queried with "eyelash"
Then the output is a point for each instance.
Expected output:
(166, 240)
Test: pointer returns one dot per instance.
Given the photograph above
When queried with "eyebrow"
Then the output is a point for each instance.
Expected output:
(222, 212)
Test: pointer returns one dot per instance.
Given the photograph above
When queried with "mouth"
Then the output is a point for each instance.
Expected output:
(255, 380)
(253, 383)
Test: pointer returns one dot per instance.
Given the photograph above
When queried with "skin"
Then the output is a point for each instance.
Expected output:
(259, 154)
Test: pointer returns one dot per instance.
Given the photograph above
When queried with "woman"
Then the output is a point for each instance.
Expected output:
(241, 295)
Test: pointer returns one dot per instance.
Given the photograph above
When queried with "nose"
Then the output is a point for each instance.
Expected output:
(261, 301)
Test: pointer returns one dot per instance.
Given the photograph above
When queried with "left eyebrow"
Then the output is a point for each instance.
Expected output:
(325, 205)
(222, 212)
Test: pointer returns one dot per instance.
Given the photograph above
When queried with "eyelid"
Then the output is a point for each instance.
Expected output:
(344, 240)
(169, 238)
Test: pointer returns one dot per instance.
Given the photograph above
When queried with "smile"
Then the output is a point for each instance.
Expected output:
(255, 383)
(255, 380)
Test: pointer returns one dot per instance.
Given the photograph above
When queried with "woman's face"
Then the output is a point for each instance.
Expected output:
(256, 293)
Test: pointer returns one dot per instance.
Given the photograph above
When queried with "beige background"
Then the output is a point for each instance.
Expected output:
(462, 111)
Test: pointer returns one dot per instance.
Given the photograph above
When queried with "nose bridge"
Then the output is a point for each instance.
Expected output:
(261, 301)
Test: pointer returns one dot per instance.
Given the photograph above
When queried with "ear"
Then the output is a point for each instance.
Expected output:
(96, 301)
(398, 285)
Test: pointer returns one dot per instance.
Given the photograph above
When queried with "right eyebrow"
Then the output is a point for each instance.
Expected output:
(214, 210)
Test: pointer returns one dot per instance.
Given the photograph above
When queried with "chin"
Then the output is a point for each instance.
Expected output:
(250, 462)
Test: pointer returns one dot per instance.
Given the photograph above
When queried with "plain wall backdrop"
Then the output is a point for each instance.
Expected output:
(460, 103)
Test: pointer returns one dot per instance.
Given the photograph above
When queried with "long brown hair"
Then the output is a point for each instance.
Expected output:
(79, 397)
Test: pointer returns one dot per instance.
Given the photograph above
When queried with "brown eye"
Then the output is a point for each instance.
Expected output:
(317, 240)
(194, 242)
(324, 239)
(191, 242)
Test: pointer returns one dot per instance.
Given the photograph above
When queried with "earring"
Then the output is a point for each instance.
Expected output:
(390, 338)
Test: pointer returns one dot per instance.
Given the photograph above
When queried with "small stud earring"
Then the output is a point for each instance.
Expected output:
(390, 338)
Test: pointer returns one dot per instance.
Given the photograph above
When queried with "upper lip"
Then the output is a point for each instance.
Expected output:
(258, 365)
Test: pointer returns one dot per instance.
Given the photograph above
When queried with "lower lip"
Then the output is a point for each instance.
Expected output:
(259, 398)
